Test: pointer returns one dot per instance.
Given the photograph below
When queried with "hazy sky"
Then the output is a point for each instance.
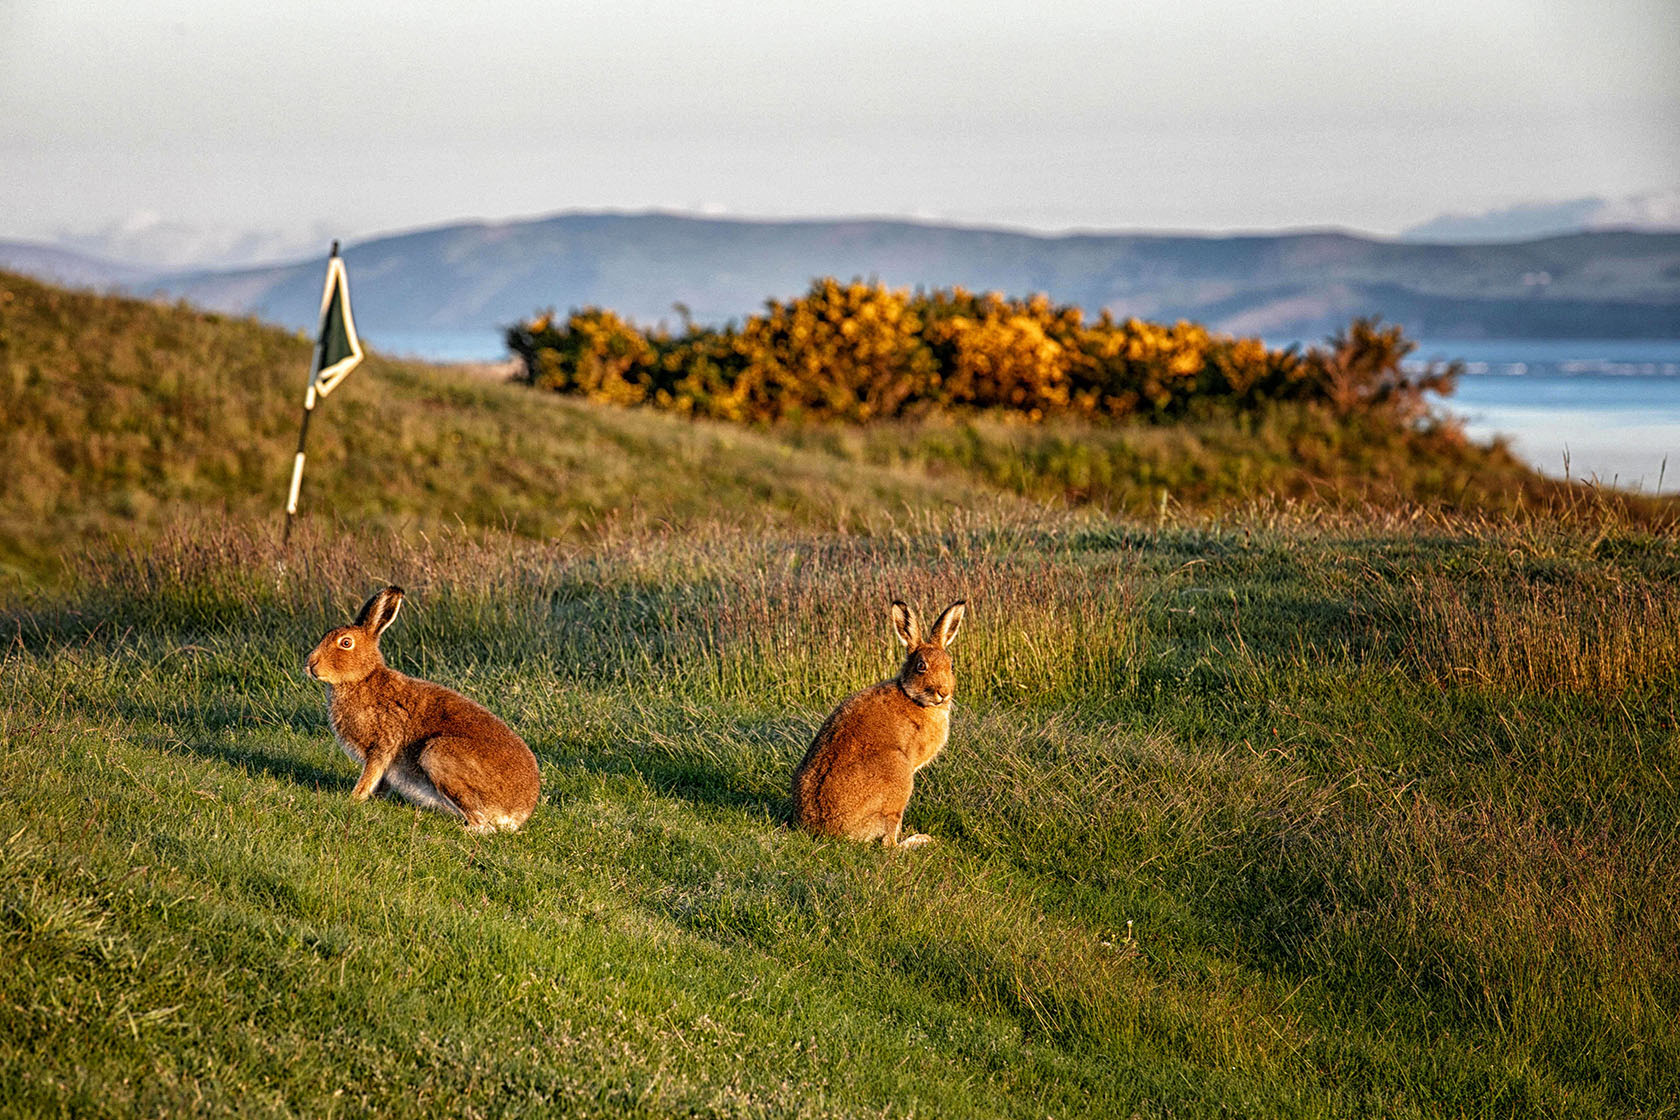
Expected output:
(371, 116)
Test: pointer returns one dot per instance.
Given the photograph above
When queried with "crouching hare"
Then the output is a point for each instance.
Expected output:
(857, 776)
(428, 743)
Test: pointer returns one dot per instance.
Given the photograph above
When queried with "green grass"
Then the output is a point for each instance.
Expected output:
(1217, 463)
(1232, 820)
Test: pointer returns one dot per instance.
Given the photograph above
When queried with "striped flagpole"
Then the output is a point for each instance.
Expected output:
(297, 461)
(309, 398)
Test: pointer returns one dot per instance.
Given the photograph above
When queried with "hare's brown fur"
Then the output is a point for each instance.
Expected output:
(858, 774)
(425, 742)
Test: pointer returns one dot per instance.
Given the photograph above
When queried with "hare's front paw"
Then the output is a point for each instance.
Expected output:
(915, 841)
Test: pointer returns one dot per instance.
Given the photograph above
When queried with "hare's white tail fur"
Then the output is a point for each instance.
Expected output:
(502, 822)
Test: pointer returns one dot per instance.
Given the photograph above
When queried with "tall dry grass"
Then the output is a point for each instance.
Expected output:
(1531, 633)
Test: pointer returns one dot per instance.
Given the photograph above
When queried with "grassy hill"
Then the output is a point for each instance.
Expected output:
(122, 417)
(1292, 808)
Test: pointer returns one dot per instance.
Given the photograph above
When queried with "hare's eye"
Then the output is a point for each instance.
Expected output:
(346, 642)
(921, 664)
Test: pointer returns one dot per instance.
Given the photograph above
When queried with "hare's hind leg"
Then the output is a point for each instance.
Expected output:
(893, 813)
(408, 779)
(885, 827)
(457, 772)
(878, 826)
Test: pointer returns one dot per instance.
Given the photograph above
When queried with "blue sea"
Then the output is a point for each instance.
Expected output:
(1600, 410)
(441, 345)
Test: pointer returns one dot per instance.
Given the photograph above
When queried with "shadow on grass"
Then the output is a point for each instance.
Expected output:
(227, 732)
(687, 779)
(254, 760)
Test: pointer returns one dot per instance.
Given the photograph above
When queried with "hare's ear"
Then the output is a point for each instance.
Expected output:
(945, 630)
(904, 621)
(380, 611)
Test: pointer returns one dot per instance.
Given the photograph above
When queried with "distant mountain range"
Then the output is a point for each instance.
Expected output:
(482, 276)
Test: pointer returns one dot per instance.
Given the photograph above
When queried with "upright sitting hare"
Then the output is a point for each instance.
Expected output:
(428, 743)
(856, 778)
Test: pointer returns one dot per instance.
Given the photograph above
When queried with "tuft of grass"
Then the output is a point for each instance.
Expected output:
(1549, 629)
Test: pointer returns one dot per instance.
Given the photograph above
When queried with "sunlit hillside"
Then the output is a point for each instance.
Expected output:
(121, 417)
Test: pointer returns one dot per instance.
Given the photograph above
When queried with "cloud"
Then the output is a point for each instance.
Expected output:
(146, 238)
(1654, 210)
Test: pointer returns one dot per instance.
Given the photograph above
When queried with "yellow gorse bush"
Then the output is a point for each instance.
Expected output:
(862, 351)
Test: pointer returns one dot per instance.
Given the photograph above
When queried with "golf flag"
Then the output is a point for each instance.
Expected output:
(337, 349)
(337, 352)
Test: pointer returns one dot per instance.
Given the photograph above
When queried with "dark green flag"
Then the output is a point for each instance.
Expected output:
(337, 352)
(339, 348)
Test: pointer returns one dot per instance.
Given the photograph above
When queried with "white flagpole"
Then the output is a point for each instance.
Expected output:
(309, 397)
